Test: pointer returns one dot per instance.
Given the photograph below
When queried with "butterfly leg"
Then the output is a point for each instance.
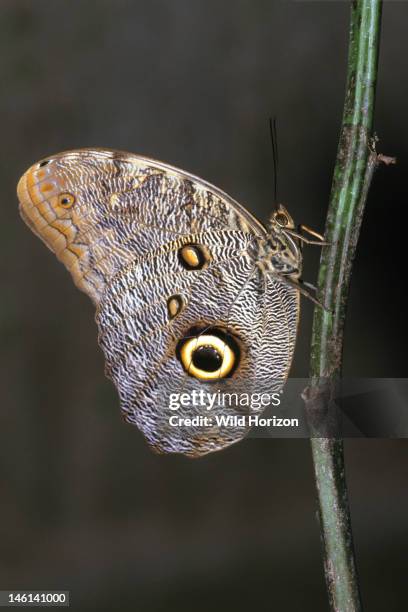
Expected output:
(320, 239)
(312, 232)
(309, 286)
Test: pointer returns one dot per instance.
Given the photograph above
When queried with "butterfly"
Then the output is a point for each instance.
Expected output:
(192, 292)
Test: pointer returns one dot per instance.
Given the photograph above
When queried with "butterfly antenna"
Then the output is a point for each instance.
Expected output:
(275, 158)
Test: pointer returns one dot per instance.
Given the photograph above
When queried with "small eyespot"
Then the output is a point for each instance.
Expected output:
(175, 305)
(66, 200)
(44, 163)
(209, 356)
(194, 256)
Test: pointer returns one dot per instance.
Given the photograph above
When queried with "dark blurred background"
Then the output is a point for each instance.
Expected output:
(84, 504)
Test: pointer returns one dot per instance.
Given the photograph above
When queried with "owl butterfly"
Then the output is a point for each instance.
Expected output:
(191, 292)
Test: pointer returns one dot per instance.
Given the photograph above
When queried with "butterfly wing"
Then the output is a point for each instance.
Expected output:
(98, 210)
(171, 264)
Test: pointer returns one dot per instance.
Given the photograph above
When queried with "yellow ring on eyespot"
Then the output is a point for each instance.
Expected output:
(222, 348)
(66, 200)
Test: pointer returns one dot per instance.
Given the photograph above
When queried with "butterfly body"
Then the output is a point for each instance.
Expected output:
(192, 293)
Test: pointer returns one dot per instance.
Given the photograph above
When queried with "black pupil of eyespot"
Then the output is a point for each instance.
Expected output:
(44, 163)
(65, 201)
(207, 358)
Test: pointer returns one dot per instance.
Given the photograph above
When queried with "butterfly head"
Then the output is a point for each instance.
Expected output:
(280, 219)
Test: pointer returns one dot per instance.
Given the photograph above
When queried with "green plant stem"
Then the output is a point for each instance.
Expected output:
(354, 168)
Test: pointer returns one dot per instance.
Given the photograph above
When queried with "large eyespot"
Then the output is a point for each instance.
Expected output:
(66, 200)
(208, 355)
(194, 256)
